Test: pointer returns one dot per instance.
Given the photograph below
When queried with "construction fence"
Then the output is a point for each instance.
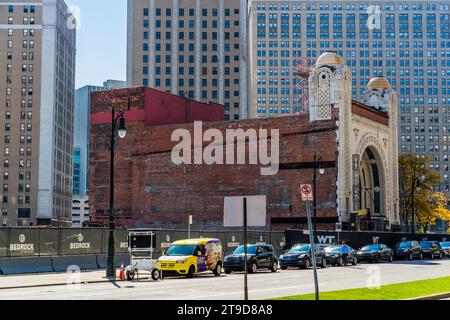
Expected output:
(51, 242)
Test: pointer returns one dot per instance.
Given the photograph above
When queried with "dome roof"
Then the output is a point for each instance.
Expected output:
(379, 83)
(329, 58)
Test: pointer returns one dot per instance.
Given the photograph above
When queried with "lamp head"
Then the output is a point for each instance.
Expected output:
(122, 131)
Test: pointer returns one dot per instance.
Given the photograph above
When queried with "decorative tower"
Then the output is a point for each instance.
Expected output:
(380, 95)
(330, 87)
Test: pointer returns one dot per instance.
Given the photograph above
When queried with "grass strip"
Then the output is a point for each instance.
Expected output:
(398, 291)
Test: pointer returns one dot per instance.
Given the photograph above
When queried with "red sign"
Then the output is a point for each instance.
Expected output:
(307, 194)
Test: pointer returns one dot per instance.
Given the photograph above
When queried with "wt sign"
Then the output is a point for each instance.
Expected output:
(307, 194)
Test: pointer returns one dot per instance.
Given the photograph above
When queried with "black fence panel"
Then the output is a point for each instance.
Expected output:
(4, 242)
(48, 242)
(259, 237)
(358, 239)
(279, 242)
(81, 241)
(232, 241)
(120, 241)
(23, 242)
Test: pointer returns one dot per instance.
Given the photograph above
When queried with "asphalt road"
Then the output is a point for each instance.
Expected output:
(263, 285)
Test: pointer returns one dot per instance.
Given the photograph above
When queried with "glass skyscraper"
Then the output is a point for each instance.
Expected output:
(408, 42)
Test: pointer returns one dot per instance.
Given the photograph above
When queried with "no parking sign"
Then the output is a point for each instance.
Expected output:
(307, 194)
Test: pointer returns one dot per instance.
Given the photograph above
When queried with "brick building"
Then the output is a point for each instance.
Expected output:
(355, 139)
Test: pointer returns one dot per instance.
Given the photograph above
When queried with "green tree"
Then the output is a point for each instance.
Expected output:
(417, 180)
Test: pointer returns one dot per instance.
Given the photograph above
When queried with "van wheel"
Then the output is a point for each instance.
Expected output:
(191, 272)
(156, 275)
(218, 270)
(130, 275)
(227, 271)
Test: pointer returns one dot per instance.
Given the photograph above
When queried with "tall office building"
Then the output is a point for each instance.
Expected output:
(408, 42)
(37, 63)
(191, 48)
(81, 135)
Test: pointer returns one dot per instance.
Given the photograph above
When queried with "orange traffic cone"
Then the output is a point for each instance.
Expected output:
(122, 273)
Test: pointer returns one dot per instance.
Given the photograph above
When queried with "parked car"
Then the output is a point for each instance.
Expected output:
(259, 256)
(192, 256)
(375, 253)
(445, 247)
(408, 250)
(432, 249)
(336, 257)
(300, 256)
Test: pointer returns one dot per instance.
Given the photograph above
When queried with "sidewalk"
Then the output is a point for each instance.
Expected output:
(50, 279)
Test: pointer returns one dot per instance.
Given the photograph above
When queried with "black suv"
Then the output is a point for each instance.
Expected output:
(300, 256)
(408, 250)
(432, 249)
(259, 256)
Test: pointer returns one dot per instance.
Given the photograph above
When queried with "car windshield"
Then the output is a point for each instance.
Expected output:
(301, 248)
(178, 250)
(371, 248)
(250, 250)
(333, 249)
(404, 245)
(426, 244)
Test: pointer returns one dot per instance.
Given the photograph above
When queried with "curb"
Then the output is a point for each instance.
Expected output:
(55, 284)
(433, 297)
(50, 285)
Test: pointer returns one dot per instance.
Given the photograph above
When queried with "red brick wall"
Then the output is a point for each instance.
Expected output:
(151, 191)
(153, 107)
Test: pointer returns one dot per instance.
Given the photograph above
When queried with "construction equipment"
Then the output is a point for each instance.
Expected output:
(141, 245)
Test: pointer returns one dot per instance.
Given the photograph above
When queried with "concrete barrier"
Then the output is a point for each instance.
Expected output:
(25, 265)
(119, 259)
(86, 262)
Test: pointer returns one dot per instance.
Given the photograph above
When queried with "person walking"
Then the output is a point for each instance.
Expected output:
(345, 252)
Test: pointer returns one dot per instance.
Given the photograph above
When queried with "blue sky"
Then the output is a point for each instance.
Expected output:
(101, 41)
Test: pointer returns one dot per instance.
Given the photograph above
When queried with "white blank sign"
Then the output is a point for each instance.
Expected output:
(234, 211)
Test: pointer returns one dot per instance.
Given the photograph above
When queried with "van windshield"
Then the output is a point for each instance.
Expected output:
(180, 251)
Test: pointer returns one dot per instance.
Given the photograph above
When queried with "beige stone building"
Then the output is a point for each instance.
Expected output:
(37, 72)
(366, 138)
(191, 48)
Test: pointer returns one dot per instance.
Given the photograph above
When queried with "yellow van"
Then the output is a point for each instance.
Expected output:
(189, 257)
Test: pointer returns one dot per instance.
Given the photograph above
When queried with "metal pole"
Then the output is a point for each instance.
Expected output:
(245, 252)
(412, 201)
(315, 198)
(111, 268)
(313, 251)
(189, 227)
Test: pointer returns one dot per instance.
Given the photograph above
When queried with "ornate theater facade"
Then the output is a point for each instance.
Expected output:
(357, 141)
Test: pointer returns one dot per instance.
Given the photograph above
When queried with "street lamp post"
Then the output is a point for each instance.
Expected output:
(318, 165)
(115, 118)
